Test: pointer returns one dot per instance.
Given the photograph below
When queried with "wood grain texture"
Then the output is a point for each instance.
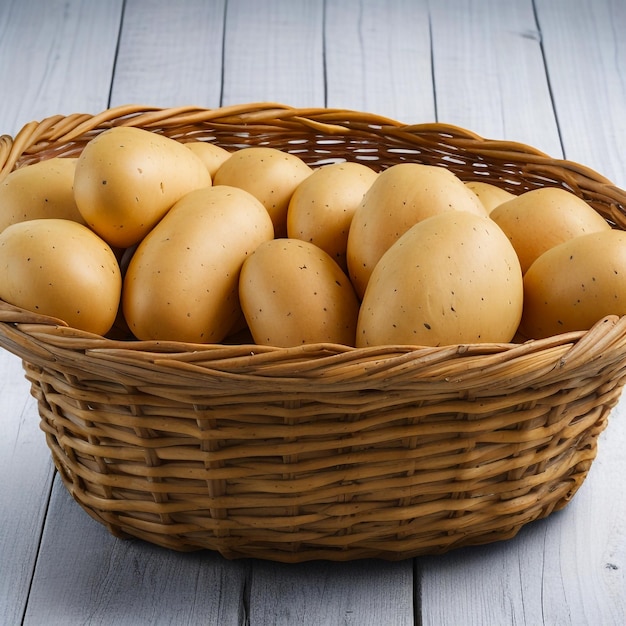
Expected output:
(585, 58)
(58, 57)
(378, 58)
(273, 51)
(363, 593)
(489, 71)
(26, 471)
(155, 68)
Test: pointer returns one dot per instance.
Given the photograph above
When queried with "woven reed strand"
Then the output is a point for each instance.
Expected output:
(321, 451)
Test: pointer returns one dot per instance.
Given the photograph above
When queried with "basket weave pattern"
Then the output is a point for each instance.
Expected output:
(320, 451)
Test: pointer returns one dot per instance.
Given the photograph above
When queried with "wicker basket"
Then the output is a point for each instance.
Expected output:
(320, 451)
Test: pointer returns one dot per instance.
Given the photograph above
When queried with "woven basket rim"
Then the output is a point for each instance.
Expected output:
(38, 339)
(36, 136)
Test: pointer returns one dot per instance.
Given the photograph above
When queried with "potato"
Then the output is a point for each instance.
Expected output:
(60, 268)
(269, 174)
(401, 196)
(537, 220)
(451, 278)
(182, 281)
(575, 284)
(293, 293)
(489, 194)
(40, 190)
(128, 178)
(211, 154)
(322, 206)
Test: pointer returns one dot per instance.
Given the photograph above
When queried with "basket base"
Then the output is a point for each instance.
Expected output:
(392, 541)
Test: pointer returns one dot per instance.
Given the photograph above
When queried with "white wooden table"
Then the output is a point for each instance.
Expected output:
(549, 73)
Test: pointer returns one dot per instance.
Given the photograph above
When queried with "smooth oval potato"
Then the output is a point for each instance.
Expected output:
(128, 178)
(322, 206)
(539, 219)
(401, 196)
(269, 174)
(181, 283)
(451, 278)
(41, 190)
(294, 293)
(575, 284)
(60, 268)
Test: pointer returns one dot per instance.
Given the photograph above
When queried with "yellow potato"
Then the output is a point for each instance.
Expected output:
(182, 281)
(211, 154)
(60, 268)
(322, 206)
(537, 220)
(575, 284)
(401, 196)
(40, 190)
(293, 293)
(128, 178)
(269, 174)
(490, 195)
(451, 278)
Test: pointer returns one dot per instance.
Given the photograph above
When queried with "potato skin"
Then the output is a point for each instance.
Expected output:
(269, 174)
(400, 197)
(128, 178)
(60, 268)
(294, 293)
(539, 219)
(40, 190)
(452, 278)
(575, 284)
(323, 205)
(182, 281)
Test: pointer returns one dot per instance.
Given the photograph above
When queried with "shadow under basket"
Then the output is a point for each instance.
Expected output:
(320, 451)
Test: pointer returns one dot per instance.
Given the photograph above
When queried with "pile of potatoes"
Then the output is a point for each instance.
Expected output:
(145, 237)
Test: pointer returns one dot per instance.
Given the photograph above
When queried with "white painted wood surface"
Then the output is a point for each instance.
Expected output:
(545, 72)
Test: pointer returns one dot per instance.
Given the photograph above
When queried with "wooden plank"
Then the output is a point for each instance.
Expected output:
(89, 576)
(585, 56)
(367, 593)
(56, 57)
(26, 471)
(170, 54)
(489, 71)
(42, 75)
(569, 568)
(273, 52)
(378, 58)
